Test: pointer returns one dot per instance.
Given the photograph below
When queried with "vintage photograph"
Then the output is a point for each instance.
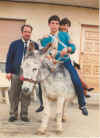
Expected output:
(49, 68)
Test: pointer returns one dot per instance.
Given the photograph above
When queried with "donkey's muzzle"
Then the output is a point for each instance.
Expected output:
(25, 89)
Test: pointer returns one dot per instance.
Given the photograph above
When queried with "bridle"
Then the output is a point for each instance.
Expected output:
(29, 80)
(34, 81)
(53, 56)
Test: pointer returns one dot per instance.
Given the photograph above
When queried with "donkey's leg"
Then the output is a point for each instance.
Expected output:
(64, 114)
(60, 102)
(45, 117)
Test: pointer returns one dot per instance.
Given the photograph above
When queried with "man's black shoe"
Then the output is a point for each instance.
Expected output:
(84, 110)
(87, 96)
(25, 119)
(90, 89)
(40, 109)
(12, 119)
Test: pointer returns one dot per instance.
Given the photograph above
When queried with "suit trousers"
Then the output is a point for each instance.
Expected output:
(15, 96)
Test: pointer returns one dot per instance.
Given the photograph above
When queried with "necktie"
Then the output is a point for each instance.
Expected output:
(25, 48)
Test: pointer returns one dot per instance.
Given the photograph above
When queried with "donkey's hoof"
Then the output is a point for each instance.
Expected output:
(64, 118)
(59, 131)
(41, 132)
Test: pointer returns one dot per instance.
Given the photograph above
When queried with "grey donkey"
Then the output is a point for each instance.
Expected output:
(55, 82)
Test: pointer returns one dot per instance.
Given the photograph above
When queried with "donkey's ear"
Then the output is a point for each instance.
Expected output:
(31, 47)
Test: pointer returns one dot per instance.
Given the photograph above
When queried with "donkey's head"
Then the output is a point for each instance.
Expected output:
(30, 68)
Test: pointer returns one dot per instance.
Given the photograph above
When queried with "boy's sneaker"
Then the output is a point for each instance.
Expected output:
(84, 110)
(90, 89)
(87, 96)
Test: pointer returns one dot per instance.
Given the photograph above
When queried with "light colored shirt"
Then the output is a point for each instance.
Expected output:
(26, 45)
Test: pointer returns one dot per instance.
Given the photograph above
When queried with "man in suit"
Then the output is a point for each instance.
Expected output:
(14, 59)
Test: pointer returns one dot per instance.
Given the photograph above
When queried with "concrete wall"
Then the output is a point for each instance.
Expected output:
(37, 15)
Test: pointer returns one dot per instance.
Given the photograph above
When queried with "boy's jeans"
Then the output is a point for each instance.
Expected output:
(77, 83)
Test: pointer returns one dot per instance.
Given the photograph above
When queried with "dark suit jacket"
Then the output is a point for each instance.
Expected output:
(15, 55)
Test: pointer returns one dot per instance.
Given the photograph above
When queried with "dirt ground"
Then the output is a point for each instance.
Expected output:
(77, 125)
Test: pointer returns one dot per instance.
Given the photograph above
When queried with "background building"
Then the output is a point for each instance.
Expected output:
(84, 31)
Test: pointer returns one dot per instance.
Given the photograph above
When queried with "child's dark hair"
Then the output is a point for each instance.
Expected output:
(65, 21)
(26, 25)
(76, 65)
(53, 18)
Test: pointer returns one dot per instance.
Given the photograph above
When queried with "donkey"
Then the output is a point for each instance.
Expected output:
(56, 85)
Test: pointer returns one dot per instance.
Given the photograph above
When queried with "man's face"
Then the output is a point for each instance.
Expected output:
(64, 28)
(54, 26)
(26, 34)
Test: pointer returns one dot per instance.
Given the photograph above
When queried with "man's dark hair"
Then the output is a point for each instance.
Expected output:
(26, 25)
(65, 21)
(53, 18)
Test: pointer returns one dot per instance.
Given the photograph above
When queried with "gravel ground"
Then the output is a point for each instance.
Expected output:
(76, 125)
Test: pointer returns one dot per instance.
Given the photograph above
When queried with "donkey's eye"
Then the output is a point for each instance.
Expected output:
(34, 69)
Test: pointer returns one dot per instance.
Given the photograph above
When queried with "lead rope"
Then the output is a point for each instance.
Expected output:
(54, 49)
